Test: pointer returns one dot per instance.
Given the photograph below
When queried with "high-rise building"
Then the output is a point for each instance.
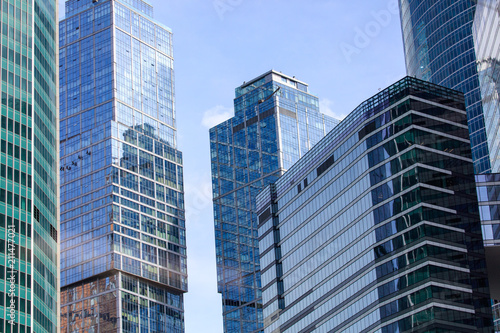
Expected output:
(29, 186)
(486, 33)
(457, 44)
(439, 47)
(123, 257)
(496, 315)
(276, 122)
(488, 194)
(377, 228)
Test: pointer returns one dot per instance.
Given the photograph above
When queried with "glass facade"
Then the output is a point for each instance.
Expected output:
(486, 32)
(29, 209)
(488, 194)
(122, 191)
(377, 228)
(496, 315)
(439, 47)
(488, 187)
(276, 122)
(97, 304)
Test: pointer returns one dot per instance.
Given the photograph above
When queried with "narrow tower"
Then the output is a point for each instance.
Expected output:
(29, 187)
(276, 121)
(123, 258)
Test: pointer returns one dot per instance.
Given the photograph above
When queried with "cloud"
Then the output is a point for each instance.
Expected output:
(326, 107)
(216, 115)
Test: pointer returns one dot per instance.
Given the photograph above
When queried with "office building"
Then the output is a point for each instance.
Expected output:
(456, 44)
(488, 194)
(276, 122)
(377, 228)
(496, 315)
(486, 33)
(439, 47)
(123, 243)
(29, 186)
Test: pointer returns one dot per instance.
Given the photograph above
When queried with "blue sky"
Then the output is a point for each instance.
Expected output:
(345, 50)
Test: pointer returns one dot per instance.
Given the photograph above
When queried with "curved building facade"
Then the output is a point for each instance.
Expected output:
(486, 32)
(439, 47)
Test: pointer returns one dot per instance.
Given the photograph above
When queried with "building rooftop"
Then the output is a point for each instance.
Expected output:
(375, 104)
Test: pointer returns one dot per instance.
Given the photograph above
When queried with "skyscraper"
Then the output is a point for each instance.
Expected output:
(276, 122)
(439, 47)
(488, 194)
(29, 209)
(456, 44)
(123, 258)
(496, 315)
(377, 228)
(486, 33)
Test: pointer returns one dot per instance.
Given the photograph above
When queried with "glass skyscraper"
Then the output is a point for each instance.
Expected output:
(377, 228)
(439, 47)
(123, 244)
(276, 122)
(486, 33)
(496, 315)
(488, 193)
(456, 44)
(29, 188)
